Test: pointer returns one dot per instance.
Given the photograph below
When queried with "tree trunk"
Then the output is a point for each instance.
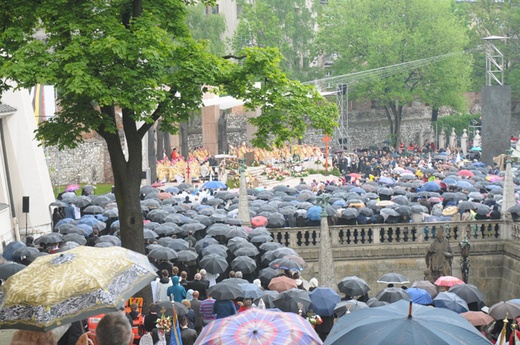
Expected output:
(127, 181)
(389, 116)
(151, 154)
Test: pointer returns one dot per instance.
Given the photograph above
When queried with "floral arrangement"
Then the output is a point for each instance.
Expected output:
(318, 162)
(314, 319)
(164, 323)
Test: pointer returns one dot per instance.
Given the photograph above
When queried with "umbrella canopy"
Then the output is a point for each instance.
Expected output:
(163, 253)
(258, 327)
(286, 264)
(9, 268)
(214, 185)
(419, 296)
(225, 290)
(393, 278)
(392, 294)
(30, 251)
(10, 248)
(469, 293)
(214, 263)
(79, 283)
(243, 263)
(187, 255)
(323, 301)
(426, 285)
(392, 325)
(448, 281)
(293, 300)
(499, 310)
(345, 307)
(168, 306)
(477, 318)
(282, 284)
(451, 301)
(251, 291)
(353, 286)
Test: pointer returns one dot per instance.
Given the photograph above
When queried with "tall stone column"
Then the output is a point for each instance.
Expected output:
(326, 263)
(243, 206)
(442, 139)
(453, 138)
(464, 142)
(508, 200)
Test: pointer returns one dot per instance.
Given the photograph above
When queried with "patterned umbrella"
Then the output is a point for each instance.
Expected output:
(79, 283)
(448, 281)
(258, 327)
(477, 318)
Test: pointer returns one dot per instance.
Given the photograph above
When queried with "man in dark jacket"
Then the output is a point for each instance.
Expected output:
(198, 285)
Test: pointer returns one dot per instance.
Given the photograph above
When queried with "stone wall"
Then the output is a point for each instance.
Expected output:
(493, 265)
(89, 162)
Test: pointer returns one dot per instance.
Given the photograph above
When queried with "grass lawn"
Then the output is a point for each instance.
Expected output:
(100, 189)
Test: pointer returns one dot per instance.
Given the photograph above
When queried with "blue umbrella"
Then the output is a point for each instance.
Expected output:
(358, 190)
(450, 300)
(419, 296)
(431, 187)
(214, 185)
(464, 184)
(86, 227)
(476, 148)
(323, 301)
(479, 164)
(314, 212)
(387, 180)
(173, 190)
(251, 291)
(450, 181)
(396, 324)
(340, 202)
(11, 248)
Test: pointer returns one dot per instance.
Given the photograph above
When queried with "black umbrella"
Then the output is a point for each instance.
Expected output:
(293, 300)
(187, 255)
(392, 294)
(193, 227)
(345, 307)
(353, 286)
(53, 237)
(168, 307)
(79, 239)
(236, 242)
(216, 249)
(245, 264)
(225, 290)
(276, 220)
(9, 268)
(149, 234)
(68, 246)
(466, 205)
(266, 274)
(482, 209)
(217, 229)
(246, 250)
(178, 244)
(204, 242)
(109, 238)
(213, 263)
(270, 246)
(93, 209)
(28, 251)
(163, 254)
(393, 278)
(268, 298)
(218, 218)
(284, 251)
(285, 264)
(236, 231)
(349, 213)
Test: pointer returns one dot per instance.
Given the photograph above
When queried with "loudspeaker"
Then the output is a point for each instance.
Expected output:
(25, 204)
(143, 175)
(342, 89)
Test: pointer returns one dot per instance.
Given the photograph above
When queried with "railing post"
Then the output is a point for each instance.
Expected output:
(293, 240)
(375, 234)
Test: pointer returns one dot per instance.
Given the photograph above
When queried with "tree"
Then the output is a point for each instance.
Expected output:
(207, 27)
(492, 18)
(289, 25)
(365, 35)
(122, 65)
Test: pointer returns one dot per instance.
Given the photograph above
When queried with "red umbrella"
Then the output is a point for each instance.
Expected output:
(477, 318)
(448, 281)
(354, 175)
(259, 221)
(157, 184)
(465, 173)
(72, 187)
(282, 284)
(164, 195)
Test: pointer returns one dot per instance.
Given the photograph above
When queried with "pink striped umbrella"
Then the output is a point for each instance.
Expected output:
(448, 281)
(258, 327)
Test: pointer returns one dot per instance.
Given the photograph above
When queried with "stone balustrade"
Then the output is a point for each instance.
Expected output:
(367, 234)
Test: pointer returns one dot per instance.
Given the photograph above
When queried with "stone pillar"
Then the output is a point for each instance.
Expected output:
(453, 139)
(326, 263)
(210, 117)
(421, 138)
(464, 142)
(477, 140)
(442, 139)
(243, 206)
(507, 202)
(496, 121)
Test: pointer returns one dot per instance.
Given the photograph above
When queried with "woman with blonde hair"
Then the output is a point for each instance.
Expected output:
(23, 337)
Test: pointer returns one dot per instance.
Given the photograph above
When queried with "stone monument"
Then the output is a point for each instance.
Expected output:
(439, 257)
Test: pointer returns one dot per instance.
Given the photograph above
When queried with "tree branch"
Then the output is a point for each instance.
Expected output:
(227, 57)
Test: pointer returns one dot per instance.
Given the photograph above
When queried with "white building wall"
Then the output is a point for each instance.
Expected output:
(26, 164)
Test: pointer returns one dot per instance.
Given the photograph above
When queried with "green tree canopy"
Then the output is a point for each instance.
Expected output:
(366, 35)
(121, 65)
(289, 25)
(207, 27)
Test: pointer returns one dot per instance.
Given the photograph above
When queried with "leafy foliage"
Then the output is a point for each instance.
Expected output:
(289, 25)
(459, 122)
(207, 27)
(369, 34)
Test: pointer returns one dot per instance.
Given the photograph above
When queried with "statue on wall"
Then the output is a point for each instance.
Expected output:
(439, 257)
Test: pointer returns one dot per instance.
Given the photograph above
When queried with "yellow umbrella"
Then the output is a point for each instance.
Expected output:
(65, 287)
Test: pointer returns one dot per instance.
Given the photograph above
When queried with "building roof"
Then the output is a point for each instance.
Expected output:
(6, 109)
